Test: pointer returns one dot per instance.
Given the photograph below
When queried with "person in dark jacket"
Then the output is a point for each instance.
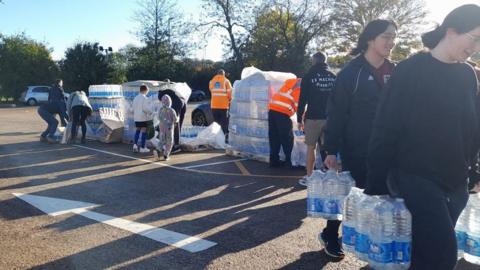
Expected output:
(351, 110)
(56, 105)
(425, 135)
(180, 107)
(56, 92)
(315, 90)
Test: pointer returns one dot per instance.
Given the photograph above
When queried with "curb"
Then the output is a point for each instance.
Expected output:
(8, 105)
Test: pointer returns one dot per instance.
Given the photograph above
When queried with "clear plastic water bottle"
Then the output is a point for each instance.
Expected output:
(363, 218)
(331, 199)
(348, 225)
(344, 186)
(347, 176)
(381, 234)
(461, 230)
(472, 243)
(402, 220)
(314, 194)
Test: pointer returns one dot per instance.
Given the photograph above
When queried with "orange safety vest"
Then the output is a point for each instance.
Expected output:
(221, 91)
(286, 99)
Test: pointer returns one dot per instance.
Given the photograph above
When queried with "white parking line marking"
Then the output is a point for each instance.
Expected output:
(214, 163)
(188, 169)
(55, 207)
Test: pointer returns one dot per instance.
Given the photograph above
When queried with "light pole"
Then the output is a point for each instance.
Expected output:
(107, 50)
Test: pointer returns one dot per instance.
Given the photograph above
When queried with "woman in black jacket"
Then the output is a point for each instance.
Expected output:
(425, 136)
(352, 107)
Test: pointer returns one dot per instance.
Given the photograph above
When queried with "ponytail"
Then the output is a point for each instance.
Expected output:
(463, 19)
(432, 38)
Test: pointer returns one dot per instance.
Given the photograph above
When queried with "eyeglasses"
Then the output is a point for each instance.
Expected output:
(388, 36)
(475, 39)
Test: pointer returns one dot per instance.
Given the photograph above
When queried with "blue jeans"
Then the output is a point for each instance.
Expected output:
(51, 121)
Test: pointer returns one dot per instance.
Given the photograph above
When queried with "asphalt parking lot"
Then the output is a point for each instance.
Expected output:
(112, 209)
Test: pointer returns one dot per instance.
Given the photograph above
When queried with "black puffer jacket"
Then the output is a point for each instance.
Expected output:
(177, 102)
(351, 109)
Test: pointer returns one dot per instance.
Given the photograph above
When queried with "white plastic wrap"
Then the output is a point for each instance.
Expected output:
(249, 112)
(107, 119)
(248, 127)
(105, 91)
(181, 89)
(199, 138)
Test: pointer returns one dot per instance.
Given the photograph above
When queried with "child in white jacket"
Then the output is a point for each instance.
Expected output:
(142, 115)
(167, 117)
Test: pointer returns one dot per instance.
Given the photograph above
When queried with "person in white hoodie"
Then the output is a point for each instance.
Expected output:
(143, 116)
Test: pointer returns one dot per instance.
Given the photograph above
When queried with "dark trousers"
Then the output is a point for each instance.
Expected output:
(178, 126)
(221, 117)
(358, 169)
(79, 115)
(52, 122)
(280, 133)
(434, 215)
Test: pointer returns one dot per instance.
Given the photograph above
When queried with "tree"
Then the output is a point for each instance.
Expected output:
(117, 63)
(234, 18)
(24, 62)
(283, 34)
(164, 31)
(83, 66)
(351, 16)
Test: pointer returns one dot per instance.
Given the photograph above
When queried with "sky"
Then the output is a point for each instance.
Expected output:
(62, 23)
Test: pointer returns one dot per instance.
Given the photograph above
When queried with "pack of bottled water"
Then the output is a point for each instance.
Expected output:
(377, 230)
(190, 131)
(253, 109)
(326, 193)
(248, 127)
(250, 145)
(467, 231)
(105, 91)
(108, 104)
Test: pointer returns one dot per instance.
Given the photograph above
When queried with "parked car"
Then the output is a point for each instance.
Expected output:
(202, 115)
(35, 95)
(197, 95)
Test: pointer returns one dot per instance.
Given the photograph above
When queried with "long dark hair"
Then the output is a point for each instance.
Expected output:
(370, 32)
(463, 19)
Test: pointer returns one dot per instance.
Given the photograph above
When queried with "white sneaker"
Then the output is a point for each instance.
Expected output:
(303, 181)
(144, 150)
(155, 153)
(135, 148)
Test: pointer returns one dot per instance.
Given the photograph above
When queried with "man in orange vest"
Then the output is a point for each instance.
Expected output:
(280, 129)
(221, 91)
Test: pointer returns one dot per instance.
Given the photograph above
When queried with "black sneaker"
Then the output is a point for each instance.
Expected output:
(176, 149)
(332, 248)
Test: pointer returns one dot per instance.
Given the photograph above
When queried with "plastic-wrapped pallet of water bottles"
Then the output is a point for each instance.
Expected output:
(467, 231)
(326, 193)
(377, 230)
